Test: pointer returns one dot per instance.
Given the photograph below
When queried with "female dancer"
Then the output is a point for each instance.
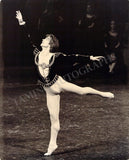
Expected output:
(112, 45)
(48, 64)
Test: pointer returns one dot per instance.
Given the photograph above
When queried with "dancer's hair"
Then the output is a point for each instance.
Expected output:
(54, 43)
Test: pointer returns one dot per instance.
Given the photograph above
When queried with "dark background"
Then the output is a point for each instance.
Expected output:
(59, 17)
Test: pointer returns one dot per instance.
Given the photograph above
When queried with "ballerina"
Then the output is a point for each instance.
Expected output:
(48, 62)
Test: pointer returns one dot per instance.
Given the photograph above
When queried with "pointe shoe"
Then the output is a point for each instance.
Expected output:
(108, 95)
(50, 151)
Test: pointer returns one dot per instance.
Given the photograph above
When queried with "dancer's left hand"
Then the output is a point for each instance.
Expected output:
(96, 58)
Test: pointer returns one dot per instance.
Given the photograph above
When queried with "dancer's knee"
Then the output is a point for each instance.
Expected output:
(55, 122)
(56, 126)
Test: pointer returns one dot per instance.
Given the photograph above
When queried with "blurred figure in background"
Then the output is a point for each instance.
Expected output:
(112, 45)
(87, 25)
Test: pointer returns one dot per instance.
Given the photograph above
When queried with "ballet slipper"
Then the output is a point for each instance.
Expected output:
(50, 150)
(107, 95)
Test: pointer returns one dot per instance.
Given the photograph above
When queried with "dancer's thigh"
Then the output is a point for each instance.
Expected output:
(54, 89)
(62, 85)
(70, 87)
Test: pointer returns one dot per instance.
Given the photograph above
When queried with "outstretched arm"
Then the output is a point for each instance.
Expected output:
(84, 58)
(78, 58)
(21, 22)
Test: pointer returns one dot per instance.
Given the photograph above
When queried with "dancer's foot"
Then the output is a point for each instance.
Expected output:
(107, 95)
(50, 150)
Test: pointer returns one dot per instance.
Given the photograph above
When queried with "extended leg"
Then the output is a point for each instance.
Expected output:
(53, 103)
(84, 90)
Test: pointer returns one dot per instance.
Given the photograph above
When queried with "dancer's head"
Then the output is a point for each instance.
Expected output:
(51, 42)
(90, 8)
(113, 24)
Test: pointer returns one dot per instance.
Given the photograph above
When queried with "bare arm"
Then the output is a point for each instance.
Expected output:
(118, 44)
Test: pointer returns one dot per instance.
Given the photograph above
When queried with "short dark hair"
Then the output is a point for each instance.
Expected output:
(54, 42)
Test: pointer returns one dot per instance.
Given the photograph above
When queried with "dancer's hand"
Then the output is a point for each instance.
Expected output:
(19, 18)
(96, 58)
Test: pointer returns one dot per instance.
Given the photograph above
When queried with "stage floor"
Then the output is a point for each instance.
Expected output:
(92, 127)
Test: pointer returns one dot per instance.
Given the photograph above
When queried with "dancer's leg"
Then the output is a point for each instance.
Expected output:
(84, 90)
(53, 103)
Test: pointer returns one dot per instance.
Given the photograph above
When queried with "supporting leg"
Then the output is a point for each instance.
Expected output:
(53, 103)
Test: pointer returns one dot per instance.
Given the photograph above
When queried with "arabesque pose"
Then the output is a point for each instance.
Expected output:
(49, 63)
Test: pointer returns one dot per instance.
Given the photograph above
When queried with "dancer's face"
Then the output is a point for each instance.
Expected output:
(89, 9)
(112, 24)
(46, 42)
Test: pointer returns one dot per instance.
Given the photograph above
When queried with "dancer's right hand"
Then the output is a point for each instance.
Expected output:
(19, 18)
